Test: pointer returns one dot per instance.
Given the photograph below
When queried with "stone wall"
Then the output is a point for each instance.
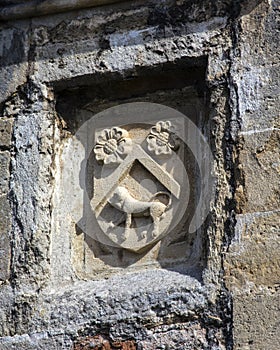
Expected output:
(252, 261)
(215, 287)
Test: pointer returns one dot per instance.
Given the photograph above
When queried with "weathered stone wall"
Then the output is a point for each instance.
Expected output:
(252, 261)
(52, 69)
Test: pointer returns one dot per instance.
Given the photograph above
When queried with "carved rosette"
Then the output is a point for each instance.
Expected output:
(111, 145)
(161, 139)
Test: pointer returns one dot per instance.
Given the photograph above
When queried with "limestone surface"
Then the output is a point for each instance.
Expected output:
(70, 70)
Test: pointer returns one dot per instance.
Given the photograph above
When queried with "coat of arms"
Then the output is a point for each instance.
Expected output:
(137, 183)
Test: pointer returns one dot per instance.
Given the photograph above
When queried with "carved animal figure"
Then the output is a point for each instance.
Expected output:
(123, 201)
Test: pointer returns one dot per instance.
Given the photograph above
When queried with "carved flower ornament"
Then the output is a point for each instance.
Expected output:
(162, 139)
(112, 143)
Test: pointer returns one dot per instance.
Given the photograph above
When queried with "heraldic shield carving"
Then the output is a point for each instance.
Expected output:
(130, 178)
(139, 182)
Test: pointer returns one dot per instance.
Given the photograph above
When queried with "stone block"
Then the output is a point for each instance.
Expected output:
(256, 321)
(253, 259)
(258, 78)
(6, 126)
(6, 302)
(5, 249)
(14, 60)
(35, 341)
(260, 164)
(188, 336)
(4, 171)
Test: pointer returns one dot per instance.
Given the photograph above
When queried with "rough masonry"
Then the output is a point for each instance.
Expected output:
(81, 85)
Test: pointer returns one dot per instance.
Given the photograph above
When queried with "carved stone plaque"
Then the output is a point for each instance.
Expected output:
(133, 182)
(137, 183)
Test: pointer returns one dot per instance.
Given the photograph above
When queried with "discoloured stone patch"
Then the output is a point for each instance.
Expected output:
(4, 172)
(256, 320)
(5, 246)
(99, 342)
(6, 125)
(260, 166)
(253, 259)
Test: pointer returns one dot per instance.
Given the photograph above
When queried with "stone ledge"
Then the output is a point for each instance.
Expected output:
(39, 8)
(122, 307)
(142, 300)
(118, 298)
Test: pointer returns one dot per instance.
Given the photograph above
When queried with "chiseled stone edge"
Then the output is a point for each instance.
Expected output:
(95, 306)
(34, 9)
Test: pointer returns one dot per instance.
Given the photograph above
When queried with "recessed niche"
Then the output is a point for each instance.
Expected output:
(131, 148)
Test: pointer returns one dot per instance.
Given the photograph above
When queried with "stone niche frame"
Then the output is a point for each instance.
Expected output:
(46, 265)
(179, 85)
